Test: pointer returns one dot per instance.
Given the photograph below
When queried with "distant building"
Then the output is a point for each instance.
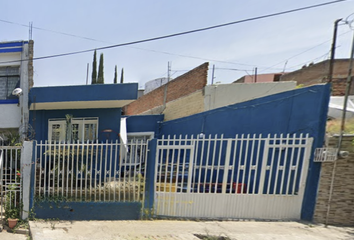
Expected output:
(260, 78)
(318, 73)
(153, 84)
(16, 71)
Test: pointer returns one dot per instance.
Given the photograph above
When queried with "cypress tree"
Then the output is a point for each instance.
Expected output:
(115, 75)
(94, 69)
(100, 79)
(122, 76)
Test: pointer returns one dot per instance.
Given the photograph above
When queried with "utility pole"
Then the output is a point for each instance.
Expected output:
(333, 50)
(255, 75)
(87, 72)
(30, 31)
(168, 80)
(212, 75)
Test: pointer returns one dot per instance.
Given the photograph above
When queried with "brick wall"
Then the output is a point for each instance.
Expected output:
(30, 64)
(183, 85)
(318, 73)
(342, 204)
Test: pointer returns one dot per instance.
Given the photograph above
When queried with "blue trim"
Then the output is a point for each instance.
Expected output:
(9, 50)
(9, 101)
(82, 93)
(88, 210)
(12, 44)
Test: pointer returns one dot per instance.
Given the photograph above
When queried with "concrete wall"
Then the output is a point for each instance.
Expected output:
(226, 94)
(182, 86)
(10, 116)
(185, 106)
(342, 204)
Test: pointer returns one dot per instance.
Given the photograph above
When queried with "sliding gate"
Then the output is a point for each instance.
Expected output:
(244, 177)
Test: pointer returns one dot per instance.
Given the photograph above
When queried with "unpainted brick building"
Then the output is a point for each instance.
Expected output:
(318, 73)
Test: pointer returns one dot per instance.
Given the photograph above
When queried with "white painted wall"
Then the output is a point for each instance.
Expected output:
(10, 116)
(9, 57)
(226, 94)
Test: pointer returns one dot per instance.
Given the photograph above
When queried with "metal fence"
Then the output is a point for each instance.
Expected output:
(10, 180)
(91, 171)
(196, 177)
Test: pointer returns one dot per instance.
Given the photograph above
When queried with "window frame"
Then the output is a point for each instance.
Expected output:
(81, 129)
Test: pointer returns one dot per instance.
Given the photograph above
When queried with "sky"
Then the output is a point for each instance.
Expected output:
(271, 45)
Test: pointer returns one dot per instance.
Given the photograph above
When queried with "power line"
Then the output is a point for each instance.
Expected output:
(298, 54)
(184, 33)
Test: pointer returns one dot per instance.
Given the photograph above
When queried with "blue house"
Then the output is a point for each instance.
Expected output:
(94, 111)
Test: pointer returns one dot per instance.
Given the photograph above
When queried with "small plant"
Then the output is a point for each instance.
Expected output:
(13, 206)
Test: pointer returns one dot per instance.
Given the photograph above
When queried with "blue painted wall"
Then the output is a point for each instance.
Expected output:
(95, 92)
(302, 110)
(144, 123)
(107, 119)
(88, 210)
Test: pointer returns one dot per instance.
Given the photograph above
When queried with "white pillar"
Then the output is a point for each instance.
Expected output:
(26, 160)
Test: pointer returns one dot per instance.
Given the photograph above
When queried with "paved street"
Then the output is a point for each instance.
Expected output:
(160, 229)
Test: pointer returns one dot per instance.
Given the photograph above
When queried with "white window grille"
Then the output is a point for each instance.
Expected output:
(80, 129)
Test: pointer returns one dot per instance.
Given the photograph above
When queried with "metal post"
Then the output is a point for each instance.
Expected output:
(349, 82)
(255, 75)
(333, 50)
(212, 75)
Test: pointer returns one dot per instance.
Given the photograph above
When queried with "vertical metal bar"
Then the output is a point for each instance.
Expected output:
(305, 163)
(184, 165)
(218, 161)
(177, 182)
(195, 162)
(272, 161)
(207, 164)
(77, 168)
(278, 165)
(40, 168)
(201, 165)
(251, 163)
(257, 161)
(115, 171)
(284, 165)
(68, 170)
(35, 169)
(63, 170)
(96, 172)
(58, 179)
(239, 161)
(127, 161)
(264, 166)
(45, 191)
(297, 166)
(86, 170)
(191, 164)
(171, 176)
(233, 165)
(226, 166)
(291, 162)
(212, 165)
(82, 145)
(53, 169)
(110, 171)
(101, 170)
(92, 147)
(245, 163)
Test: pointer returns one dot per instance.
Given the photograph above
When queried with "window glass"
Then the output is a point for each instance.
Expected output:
(80, 129)
(56, 130)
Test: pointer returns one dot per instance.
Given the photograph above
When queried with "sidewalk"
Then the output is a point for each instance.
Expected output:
(163, 230)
